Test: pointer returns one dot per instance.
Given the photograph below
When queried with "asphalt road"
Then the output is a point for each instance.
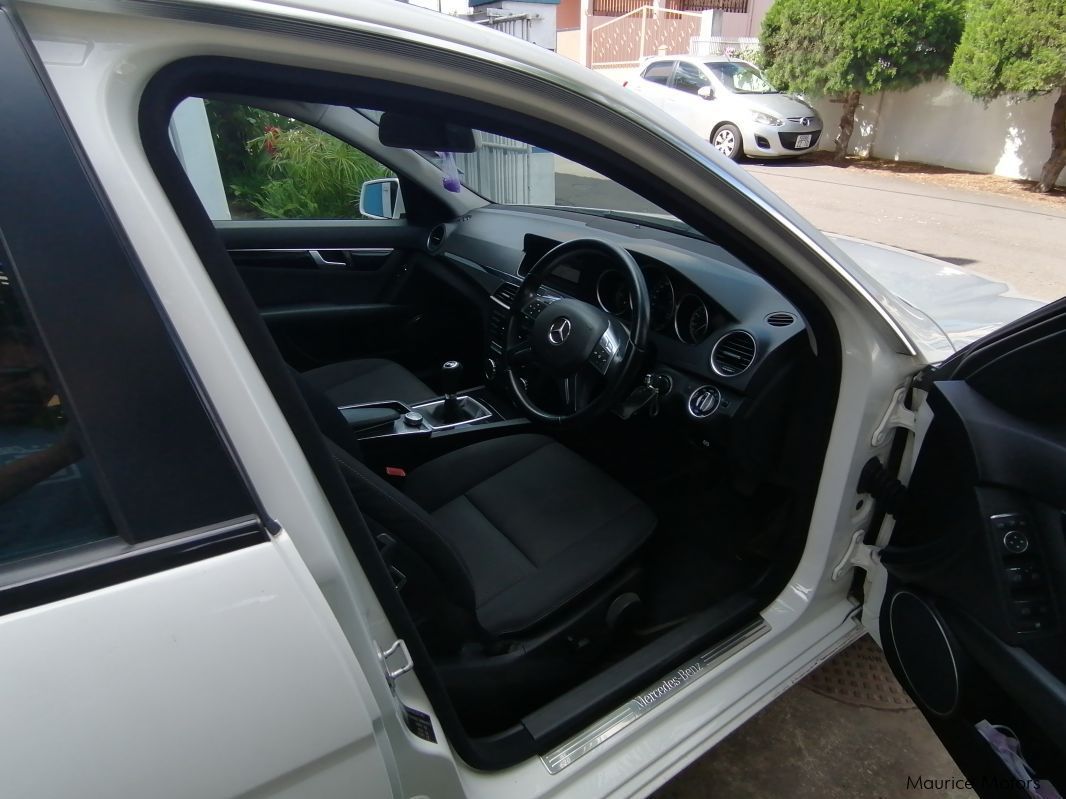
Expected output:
(1016, 241)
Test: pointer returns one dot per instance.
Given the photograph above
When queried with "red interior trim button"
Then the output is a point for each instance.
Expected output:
(395, 471)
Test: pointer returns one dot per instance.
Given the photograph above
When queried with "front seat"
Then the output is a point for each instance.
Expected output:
(515, 528)
(367, 380)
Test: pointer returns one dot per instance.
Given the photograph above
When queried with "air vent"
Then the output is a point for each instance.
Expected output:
(781, 319)
(733, 353)
(704, 401)
(436, 238)
(505, 294)
(498, 313)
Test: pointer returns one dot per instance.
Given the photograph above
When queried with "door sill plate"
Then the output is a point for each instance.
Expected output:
(669, 686)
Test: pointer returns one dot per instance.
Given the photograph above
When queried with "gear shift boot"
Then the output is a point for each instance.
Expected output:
(461, 410)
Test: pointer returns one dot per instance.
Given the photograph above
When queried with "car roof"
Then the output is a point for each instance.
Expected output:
(691, 59)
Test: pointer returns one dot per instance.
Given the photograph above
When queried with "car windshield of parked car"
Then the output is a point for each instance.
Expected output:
(741, 78)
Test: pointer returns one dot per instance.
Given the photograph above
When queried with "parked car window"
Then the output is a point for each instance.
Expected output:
(741, 78)
(249, 163)
(48, 500)
(688, 78)
(659, 72)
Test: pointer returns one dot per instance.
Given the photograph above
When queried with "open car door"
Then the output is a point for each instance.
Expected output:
(968, 597)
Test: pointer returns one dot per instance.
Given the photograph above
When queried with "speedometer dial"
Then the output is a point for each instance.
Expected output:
(661, 292)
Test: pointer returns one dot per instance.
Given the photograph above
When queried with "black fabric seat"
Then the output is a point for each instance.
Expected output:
(367, 380)
(515, 528)
(534, 524)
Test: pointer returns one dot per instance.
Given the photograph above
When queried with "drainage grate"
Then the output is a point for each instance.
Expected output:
(859, 676)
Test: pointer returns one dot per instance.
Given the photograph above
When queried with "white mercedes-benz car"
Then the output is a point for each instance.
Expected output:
(390, 407)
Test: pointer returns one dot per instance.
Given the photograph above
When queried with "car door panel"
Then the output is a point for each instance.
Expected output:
(328, 289)
(973, 615)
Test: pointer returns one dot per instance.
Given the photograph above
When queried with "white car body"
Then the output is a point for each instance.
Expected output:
(772, 125)
(259, 672)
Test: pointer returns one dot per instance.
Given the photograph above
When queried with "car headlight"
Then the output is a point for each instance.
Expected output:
(766, 119)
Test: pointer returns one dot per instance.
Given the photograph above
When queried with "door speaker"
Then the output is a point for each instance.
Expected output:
(927, 653)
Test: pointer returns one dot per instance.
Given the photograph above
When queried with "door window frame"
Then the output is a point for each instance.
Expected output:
(164, 468)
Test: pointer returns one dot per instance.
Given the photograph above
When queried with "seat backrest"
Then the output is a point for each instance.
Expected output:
(383, 504)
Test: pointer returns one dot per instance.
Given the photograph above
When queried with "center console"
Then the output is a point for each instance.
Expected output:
(405, 434)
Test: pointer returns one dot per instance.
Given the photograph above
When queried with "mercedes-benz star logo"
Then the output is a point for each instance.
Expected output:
(559, 331)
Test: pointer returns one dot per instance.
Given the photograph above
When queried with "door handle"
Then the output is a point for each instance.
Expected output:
(316, 256)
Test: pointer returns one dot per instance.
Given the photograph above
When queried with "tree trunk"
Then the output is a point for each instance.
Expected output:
(1054, 165)
(847, 124)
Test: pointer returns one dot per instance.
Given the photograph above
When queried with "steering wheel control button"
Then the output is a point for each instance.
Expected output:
(412, 419)
(1015, 542)
(600, 358)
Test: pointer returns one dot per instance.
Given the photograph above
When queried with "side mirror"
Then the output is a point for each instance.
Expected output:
(380, 199)
(706, 92)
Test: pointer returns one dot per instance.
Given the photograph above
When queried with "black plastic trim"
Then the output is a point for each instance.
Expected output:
(137, 561)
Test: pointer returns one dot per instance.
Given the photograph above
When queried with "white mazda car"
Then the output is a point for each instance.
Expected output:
(730, 103)
(536, 477)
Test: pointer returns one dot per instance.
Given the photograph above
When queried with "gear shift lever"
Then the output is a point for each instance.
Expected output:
(451, 373)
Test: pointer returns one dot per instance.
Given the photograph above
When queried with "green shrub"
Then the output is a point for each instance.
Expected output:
(279, 168)
(847, 47)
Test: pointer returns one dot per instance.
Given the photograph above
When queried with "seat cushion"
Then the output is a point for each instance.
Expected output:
(535, 524)
(368, 380)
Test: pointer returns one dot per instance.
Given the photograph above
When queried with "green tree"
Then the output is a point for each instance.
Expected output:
(1018, 47)
(848, 47)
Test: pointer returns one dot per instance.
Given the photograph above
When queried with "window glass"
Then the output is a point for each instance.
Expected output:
(659, 72)
(688, 78)
(248, 163)
(48, 501)
(741, 78)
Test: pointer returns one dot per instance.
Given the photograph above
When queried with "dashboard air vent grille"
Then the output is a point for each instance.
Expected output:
(503, 297)
(436, 238)
(506, 293)
(780, 319)
(733, 353)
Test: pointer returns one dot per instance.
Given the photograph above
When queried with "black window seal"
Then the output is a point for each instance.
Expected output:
(62, 580)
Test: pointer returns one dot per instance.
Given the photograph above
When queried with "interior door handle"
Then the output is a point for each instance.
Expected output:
(316, 256)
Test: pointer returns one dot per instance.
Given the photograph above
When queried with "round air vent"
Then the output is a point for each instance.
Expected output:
(733, 353)
(704, 401)
(780, 319)
(436, 238)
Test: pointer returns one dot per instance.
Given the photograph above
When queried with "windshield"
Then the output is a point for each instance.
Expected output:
(740, 78)
(508, 171)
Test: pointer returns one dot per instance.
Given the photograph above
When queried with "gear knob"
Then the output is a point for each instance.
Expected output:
(451, 375)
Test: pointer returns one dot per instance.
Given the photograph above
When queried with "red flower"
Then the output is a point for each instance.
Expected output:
(269, 142)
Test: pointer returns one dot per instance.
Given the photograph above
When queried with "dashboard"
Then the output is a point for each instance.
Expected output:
(720, 334)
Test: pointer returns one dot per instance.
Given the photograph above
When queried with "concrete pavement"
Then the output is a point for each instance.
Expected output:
(1014, 241)
(1018, 242)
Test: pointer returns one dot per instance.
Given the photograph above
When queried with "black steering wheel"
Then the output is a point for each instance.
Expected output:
(590, 352)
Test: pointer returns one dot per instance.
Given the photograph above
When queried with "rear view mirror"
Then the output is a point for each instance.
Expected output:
(380, 199)
(411, 132)
(706, 92)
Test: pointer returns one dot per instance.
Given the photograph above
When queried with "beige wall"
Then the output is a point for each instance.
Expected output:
(568, 43)
(938, 123)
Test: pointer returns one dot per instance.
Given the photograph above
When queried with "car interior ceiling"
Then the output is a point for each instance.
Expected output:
(728, 510)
